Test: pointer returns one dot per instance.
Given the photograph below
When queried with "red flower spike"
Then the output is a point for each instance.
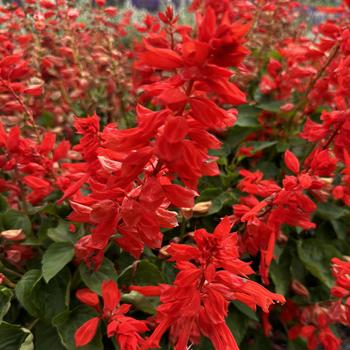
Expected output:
(209, 278)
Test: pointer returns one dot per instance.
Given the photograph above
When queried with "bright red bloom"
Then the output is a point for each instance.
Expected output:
(125, 329)
(210, 275)
(315, 329)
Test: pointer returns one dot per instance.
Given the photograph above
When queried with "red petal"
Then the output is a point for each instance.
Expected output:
(179, 196)
(111, 295)
(87, 297)
(34, 90)
(149, 291)
(224, 227)
(291, 162)
(161, 58)
(86, 332)
(73, 188)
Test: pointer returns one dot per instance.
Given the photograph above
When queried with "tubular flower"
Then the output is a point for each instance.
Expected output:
(210, 276)
(134, 176)
(125, 329)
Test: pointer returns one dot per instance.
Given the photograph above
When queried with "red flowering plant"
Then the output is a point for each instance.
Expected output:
(124, 145)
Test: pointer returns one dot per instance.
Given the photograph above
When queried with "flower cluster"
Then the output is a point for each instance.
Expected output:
(133, 174)
(210, 276)
(126, 330)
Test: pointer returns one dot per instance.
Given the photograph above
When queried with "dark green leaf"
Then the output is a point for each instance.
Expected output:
(24, 289)
(46, 337)
(61, 233)
(316, 256)
(340, 228)
(261, 342)
(142, 273)
(218, 202)
(244, 309)
(13, 337)
(280, 273)
(56, 257)
(298, 344)
(5, 301)
(259, 145)
(3, 204)
(13, 219)
(44, 300)
(235, 136)
(238, 324)
(330, 211)
(271, 106)
(248, 116)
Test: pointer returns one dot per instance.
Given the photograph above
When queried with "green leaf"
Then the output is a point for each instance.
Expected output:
(14, 337)
(28, 342)
(142, 273)
(248, 116)
(271, 106)
(298, 344)
(280, 273)
(330, 211)
(260, 342)
(5, 301)
(208, 194)
(44, 300)
(244, 309)
(69, 321)
(13, 219)
(3, 204)
(47, 119)
(340, 228)
(205, 344)
(56, 257)
(316, 256)
(24, 289)
(238, 325)
(56, 290)
(61, 233)
(93, 279)
(219, 202)
(46, 337)
(235, 136)
(140, 302)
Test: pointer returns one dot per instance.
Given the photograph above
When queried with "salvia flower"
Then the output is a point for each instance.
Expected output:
(210, 276)
(125, 329)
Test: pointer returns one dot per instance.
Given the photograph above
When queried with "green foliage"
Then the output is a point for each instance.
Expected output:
(14, 337)
(5, 301)
(44, 300)
(55, 258)
(316, 256)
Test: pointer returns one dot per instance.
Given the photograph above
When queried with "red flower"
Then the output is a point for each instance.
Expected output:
(210, 275)
(125, 329)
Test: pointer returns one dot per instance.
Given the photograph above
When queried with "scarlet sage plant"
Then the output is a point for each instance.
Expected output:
(180, 181)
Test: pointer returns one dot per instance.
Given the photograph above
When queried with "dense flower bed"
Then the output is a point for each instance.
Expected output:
(180, 182)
